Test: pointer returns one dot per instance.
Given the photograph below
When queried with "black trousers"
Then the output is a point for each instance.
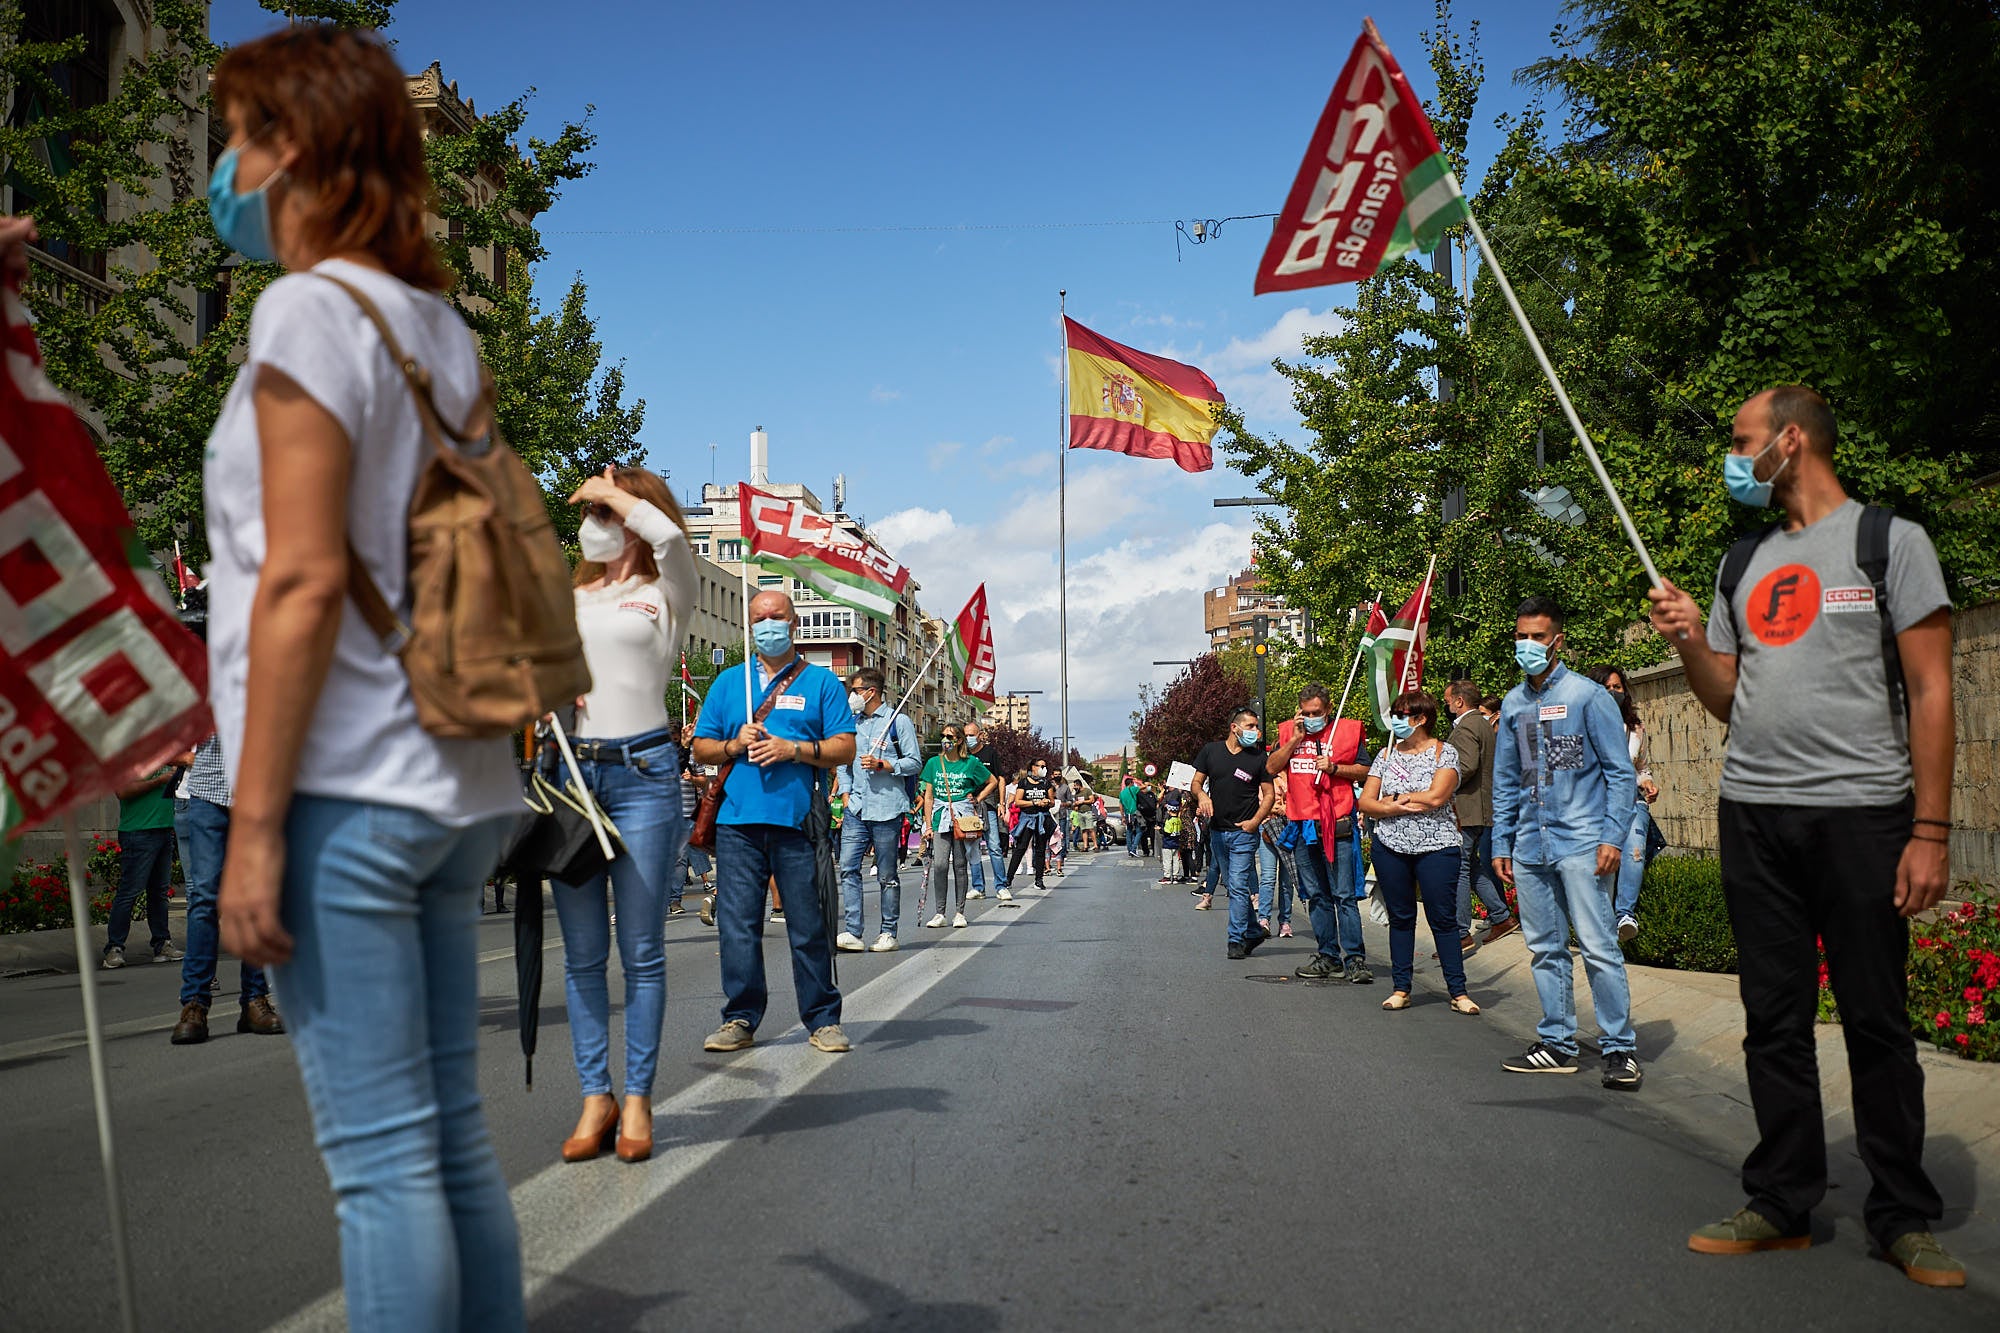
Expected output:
(1024, 839)
(1790, 874)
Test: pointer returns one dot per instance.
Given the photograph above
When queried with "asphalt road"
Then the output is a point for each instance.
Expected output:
(1075, 1114)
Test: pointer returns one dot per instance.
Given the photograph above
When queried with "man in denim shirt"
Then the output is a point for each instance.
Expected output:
(1563, 788)
(887, 755)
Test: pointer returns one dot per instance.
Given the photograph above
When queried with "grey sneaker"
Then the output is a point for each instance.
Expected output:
(114, 957)
(1358, 973)
(1320, 968)
(735, 1035)
(167, 953)
(830, 1039)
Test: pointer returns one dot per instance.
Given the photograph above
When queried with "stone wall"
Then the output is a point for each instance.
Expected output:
(1685, 746)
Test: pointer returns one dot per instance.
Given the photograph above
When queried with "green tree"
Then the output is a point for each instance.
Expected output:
(1743, 195)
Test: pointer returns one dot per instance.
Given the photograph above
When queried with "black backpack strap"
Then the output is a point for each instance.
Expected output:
(1736, 564)
(1871, 552)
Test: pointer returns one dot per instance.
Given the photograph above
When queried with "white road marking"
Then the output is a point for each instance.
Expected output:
(567, 1210)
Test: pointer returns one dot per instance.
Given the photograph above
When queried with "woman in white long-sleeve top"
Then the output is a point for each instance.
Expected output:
(635, 590)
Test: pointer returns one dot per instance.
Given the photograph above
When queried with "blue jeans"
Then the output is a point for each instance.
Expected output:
(1475, 871)
(1236, 862)
(1132, 828)
(1274, 885)
(381, 999)
(203, 830)
(645, 804)
(1214, 872)
(1398, 877)
(145, 865)
(747, 857)
(990, 840)
(856, 836)
(1632, 865)
(1554, 900)
(1328, 888)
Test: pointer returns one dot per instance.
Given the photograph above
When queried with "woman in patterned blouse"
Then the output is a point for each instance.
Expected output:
(1408, 796)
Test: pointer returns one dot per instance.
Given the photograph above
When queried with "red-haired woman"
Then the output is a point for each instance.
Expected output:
(358, 842)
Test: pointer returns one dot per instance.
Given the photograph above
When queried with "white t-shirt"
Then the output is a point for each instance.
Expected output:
(631, 631)
(364, 743)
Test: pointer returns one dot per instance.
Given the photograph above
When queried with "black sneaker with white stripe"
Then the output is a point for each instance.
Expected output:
(1541, 1058)
(1621, 1071)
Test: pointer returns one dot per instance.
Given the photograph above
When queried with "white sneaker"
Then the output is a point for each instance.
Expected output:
(976, 893)
(1628, 926)
(848, 943)
(884, 943)
(1006, 895)
(958, 921)
(935, 923)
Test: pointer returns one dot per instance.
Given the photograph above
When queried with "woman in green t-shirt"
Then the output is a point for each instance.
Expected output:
(952, 786)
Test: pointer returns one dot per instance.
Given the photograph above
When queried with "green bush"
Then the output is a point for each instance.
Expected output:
(1685, 923)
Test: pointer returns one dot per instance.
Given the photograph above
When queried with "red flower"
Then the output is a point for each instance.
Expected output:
(1974, 995)
(1976, 1017)
(1962, 1040)
(1943, 1019)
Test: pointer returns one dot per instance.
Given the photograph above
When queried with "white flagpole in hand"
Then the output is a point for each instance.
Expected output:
(100, 1087)
(1360, 651)
(1562, 400)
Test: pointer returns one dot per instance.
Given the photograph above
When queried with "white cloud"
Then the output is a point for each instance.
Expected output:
(913, 527)
(1242, 368)
(882, 395)
(942, 453)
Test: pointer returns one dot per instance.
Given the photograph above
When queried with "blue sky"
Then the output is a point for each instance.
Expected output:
(923, 363)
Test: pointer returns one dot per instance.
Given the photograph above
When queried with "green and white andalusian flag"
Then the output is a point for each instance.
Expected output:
(1395, 650)
(825, 556)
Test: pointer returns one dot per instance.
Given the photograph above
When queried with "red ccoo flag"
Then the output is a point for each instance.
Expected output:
(1374, 184)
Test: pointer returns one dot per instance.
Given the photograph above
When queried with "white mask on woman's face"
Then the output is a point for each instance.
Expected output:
(600, 542)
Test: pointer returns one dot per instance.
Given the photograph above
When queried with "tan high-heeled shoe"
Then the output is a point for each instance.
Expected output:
(639, 1149)
(584, 1147)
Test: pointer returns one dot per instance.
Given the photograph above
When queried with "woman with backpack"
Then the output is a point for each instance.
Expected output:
(635, 589)
(359, 841)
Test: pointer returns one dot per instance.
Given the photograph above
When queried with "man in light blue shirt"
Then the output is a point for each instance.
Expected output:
(887, 756)
(1563, 787)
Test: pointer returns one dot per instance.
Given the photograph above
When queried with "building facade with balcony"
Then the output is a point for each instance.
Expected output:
(1229, 613)
(1010, 710)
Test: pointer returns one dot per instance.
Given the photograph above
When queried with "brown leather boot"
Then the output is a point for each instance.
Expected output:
(192, 1030)
(261, 1017)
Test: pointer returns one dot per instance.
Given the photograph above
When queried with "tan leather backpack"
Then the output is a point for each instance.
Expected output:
(491, 643)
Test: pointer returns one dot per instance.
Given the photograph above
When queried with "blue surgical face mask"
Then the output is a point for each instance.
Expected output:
(243, 221)
(1401, 727)
(1248, 736)
(774, 637)
(1532, 655)
(1313, 725)
(1739, 474)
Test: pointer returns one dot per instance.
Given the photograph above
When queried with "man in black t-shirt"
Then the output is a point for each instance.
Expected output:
(1234, 792)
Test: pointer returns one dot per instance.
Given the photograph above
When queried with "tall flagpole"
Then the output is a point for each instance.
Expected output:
(1562, 399)
(1359, 649)
(1062, 529)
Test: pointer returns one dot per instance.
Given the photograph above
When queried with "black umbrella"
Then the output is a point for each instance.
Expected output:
(528, 965)
(826, 879)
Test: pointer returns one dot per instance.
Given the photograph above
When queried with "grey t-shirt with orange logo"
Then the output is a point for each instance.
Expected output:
(1813, 723)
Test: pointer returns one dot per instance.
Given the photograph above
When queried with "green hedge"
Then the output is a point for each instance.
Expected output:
(1682, 920)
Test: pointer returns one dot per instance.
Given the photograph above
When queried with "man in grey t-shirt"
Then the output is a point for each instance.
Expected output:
(1833, 822)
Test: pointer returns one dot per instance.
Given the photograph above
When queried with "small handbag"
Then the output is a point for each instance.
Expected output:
(557, 841)
(702, 838)
(968, 826)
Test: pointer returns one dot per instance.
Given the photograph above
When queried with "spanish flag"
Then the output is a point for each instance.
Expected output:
(1132, 402)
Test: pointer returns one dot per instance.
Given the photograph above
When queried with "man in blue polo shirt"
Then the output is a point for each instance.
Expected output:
(760, 830)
